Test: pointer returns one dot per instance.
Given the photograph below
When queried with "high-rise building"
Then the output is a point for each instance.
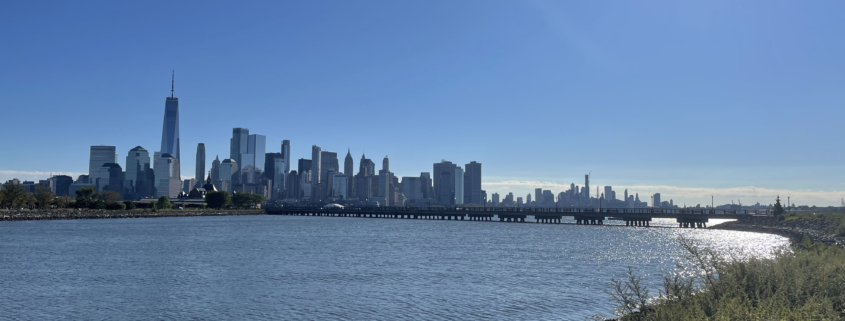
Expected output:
(200, 169)
(587, 187)
(528, 199)
(348, 170)
(188, 185)
(228, 172)
(608, 193)
(238, 145)
(140, 178)
(339, 186)
(215, 172)
(459, 185)
(427, 189)
(256, 148)
(316, 162)
(113, 174)
(61, 184)
(472, 183)
(538, 196)
(519, 201)
(657, 202)
(444, 182)
(412, 188)
(384, 180)
(303, 165)
(328, 163)
(168, 181)
(495, 199)
(274, 170)
(170, 129)
(286, 154)
(100, 155)
(292, 185)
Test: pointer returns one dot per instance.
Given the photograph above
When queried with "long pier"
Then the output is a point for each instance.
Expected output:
(686, 218)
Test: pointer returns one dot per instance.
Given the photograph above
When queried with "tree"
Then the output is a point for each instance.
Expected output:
(778, 211)
(2, 197)
(87, 197)
(12, 193)
(246, 200)
(163, 203)
(130, 205)
(44, 196)
(218, 200)
(110, 197)
(63, 201)
(24, 200)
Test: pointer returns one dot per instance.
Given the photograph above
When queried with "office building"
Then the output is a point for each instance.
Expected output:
(228, 172)
(168, 181)
(538, 196)
(199, 176)
(444, 182)
(339, 186)
(608, 193)
(412, 188)
(238, 145)
(587, 187)
(215, 172)
(348, 170)
(286, 155)
(100, 155)
(170, 128)
(656, 201)
(61, 184)
(472, 184)
(459, 185)
(188, 185)
(495, 199)
(139, 180)
(292, 190)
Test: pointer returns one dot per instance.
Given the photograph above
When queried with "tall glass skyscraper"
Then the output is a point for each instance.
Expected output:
(170, 129)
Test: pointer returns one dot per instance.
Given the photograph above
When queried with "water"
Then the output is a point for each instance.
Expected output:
(322, 268)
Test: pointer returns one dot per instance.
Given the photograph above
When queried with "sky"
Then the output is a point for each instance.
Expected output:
(742, 100)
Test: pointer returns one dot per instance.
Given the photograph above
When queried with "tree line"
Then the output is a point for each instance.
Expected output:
(16, 196)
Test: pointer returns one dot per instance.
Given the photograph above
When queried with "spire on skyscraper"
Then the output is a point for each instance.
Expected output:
(172, 82)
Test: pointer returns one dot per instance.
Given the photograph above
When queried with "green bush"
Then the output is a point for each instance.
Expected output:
(130, 205)
(807, 283)
(163, 203)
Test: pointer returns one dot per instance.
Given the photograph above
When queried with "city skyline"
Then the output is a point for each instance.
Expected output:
(539, 111)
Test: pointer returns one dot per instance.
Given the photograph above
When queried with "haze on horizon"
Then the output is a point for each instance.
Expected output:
(742, 100)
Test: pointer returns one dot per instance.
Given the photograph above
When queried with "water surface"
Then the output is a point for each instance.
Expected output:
(323, 268)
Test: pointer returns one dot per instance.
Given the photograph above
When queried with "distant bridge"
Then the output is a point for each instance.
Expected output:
(689, 218)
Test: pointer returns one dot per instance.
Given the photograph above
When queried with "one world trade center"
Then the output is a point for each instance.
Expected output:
(170, 130)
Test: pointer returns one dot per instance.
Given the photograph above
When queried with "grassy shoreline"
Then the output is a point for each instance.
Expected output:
(804, 282)
(83, 214)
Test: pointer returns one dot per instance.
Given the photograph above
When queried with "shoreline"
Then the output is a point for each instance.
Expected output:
(794, 231)
(75, 214)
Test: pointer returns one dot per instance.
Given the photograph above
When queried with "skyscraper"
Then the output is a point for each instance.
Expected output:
(587, 187)
(472, 184)
(459, 185)
(286, 155)
(139, 178)
(238, 145)
(538, 196)
(215, 172)
(200, 170)
(100, 155)
(348, 169)
(316, 161)
(444, 182)
(608, 193)
(168, 182)
(170, 129)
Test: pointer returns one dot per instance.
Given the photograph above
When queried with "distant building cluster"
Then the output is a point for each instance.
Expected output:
(249, 168)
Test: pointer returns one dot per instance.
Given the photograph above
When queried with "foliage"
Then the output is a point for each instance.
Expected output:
(63, 201)
(87, 197)
(130, 205)
(778, 210)
(44, 196)
(807, 283)
(110, 197)
(163, 203)
(246, 200)
(13, 194)
(832, 223)
(218, 199)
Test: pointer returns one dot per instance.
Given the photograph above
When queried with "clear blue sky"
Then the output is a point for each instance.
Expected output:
(710, 95)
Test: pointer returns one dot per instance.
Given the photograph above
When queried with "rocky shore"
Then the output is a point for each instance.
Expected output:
(77, 214)
(794, 230)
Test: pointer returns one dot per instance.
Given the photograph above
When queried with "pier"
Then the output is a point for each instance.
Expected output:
(633, 217)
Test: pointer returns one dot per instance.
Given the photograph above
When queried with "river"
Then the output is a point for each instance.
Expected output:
(327, 268)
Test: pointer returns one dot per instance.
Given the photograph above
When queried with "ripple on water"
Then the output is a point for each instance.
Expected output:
(273, 267)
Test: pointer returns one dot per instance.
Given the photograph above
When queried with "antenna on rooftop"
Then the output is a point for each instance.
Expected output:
(172, 82)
